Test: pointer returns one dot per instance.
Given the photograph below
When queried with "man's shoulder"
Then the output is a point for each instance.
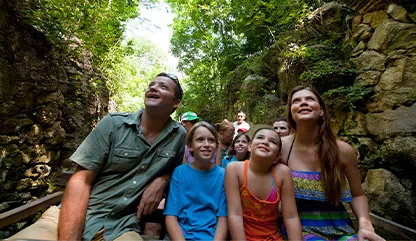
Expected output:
(125, 114)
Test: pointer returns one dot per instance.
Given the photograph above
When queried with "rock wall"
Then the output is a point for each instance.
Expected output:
(48, 104)
(385, 57)
(361, 57)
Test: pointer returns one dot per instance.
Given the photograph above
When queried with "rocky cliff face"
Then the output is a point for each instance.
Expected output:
(361, 57)
(48, 104)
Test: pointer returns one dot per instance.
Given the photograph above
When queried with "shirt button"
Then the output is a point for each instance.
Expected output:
(134, 182)
(126, 154)
(125, 199)
(166, 154)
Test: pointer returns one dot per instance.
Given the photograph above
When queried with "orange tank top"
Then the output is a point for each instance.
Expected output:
(259, 216)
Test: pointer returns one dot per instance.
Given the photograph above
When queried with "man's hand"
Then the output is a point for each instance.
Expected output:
(152, 196)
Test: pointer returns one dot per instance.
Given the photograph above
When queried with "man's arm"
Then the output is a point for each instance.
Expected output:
(74, 205)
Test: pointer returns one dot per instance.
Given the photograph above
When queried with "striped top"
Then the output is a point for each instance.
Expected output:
(308, 185)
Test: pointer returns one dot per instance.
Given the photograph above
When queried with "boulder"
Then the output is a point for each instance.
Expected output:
(388, 198)
(399, 154)
(362, 33)
(370, 60)
(359, 49)
(397, 13)
(355, 124)
(328, 15)
(55, 134)
(375, 18)
(393, 75)
(47, 114)
(400, 121)
(14, 125)
(368, 78)
(392, 35)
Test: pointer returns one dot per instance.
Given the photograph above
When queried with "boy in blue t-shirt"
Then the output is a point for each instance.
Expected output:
(196, 208)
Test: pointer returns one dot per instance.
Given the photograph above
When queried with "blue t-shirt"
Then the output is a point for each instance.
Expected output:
(226, 160)
(197, 198)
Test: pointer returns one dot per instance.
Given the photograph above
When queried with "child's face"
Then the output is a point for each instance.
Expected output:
(265, 144)
(281, 127)
(203, 144)
(241, 145)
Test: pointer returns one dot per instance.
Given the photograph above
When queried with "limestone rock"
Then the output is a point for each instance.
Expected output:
(38, 171)
(370, 60)
(8, 76)
(328, 14)
(393, 75)
(363, 33)
(55, 134)
(399, 153)
(398, 13)
(385, 100)
(48, 113)
(400, 121)
(366, 6)
(54, 96)
(34, 135)
(375, 18)
(387, 197)
(368, 78)
(392, 35)
(359, 49)
(412, 16)
(356, 21)
(355, 125)
(14, 124)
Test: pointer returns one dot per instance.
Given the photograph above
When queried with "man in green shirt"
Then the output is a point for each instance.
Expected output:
(127, 159)
(123, 167)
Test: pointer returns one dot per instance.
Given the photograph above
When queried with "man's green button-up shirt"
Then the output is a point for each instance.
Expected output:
(125, 164)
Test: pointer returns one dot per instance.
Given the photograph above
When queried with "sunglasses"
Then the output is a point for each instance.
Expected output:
(170, 76)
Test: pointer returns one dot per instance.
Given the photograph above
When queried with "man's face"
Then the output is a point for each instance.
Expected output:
(241, 117)
(161, 94)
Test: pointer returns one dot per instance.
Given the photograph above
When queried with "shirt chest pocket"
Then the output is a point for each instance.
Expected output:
(165, 155)
(124, 160)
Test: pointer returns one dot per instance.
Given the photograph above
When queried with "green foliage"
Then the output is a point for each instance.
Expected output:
(353, 94)
(211, 38)
(97, 25)
(129, 68)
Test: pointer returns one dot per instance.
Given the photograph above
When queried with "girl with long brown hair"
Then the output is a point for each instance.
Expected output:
(325, 172)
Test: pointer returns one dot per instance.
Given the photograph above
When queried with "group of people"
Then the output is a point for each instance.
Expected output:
(125, 163)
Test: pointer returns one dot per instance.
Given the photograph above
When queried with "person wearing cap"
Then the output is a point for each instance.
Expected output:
(188, 120)
(241, 124)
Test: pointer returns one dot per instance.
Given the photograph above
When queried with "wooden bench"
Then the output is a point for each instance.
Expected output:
(17, 214)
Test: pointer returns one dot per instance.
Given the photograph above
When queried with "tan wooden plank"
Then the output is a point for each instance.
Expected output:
(28, 209)
(393, 227)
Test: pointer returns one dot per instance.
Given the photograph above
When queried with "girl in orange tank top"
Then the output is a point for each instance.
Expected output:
(254, 189)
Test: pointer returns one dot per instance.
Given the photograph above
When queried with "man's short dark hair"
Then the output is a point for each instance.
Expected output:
(178, 87)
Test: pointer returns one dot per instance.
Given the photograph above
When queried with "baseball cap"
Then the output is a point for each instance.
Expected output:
(241, 129)
(189, 116)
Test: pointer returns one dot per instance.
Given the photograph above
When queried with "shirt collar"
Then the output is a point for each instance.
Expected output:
(134, 119)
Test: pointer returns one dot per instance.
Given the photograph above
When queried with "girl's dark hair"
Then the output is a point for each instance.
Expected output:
(195, 127)
(327, 152)
(232, 152)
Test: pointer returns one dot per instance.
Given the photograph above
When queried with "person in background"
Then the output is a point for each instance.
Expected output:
(225, 133)
(196, 208)
(254, 189)
(188, 120)
(325, 173)
(241, 123)
(238, 150)
(281, 126)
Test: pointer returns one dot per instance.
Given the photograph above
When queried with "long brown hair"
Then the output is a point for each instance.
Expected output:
(327, 152)
(232, 151)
